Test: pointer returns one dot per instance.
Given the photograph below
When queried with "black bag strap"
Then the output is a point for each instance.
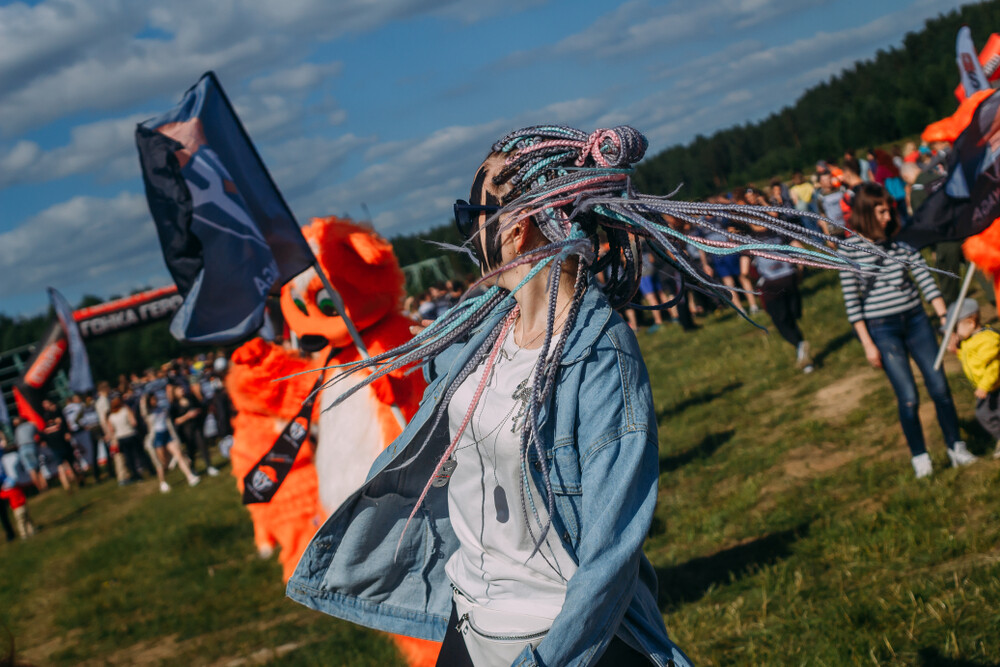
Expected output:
(266, 476)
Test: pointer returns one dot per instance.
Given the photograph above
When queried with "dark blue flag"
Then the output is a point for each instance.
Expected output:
(80, 379)
(228, 237)
(967, 200)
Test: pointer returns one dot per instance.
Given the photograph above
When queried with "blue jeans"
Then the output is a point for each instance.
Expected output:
(899, 337)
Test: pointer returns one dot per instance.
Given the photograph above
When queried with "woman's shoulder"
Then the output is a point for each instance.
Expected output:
(609, 388)
(614, 357)
(617, 337)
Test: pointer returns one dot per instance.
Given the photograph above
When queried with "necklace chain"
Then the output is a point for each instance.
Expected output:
(541, 333)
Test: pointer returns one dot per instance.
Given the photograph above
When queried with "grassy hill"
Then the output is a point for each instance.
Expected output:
(789, 530)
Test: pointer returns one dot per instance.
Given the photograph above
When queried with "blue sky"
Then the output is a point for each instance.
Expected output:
(391, 103)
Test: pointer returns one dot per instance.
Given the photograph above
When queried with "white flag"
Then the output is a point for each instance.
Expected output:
(971, 71)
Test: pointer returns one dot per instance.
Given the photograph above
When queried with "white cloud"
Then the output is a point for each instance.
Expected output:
(301, 163)
(35, 39)
(95, 147)
(300, 78)
(748, 79)
(639, 27)
(414, 183)
(472, 12)
(106, 148)
(103, 63)
(80, 240)
(829, 52)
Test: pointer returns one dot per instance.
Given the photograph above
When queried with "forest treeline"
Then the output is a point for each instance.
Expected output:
(895, 94)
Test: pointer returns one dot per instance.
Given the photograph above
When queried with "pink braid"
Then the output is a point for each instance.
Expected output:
(487, 371)
(593, 146)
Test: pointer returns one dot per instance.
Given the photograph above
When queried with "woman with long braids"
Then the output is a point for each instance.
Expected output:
(508, 518)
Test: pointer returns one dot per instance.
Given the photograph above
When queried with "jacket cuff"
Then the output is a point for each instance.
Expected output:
(527, 658)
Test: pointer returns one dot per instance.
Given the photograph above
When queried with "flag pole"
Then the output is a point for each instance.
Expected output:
(949, 325)
(338, 303)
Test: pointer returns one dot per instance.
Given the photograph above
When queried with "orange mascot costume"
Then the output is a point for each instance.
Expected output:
(343, 440)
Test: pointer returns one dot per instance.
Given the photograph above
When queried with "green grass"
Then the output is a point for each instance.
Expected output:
(789, 531)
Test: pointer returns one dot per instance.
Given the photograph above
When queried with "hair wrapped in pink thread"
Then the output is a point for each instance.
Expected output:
(593, 146)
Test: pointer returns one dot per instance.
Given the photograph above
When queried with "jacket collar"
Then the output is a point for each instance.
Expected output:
(595, 311)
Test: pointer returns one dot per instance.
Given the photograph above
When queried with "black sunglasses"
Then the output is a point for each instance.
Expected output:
(467, 216)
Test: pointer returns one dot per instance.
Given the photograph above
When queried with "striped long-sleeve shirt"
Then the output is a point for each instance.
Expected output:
(893, 291)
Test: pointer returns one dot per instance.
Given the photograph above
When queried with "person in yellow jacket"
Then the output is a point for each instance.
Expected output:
(979, 351)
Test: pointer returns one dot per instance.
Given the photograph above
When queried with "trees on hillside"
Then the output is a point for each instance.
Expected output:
(893, 95)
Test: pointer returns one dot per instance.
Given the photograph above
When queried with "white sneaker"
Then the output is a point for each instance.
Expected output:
(960, 455)
(164, 487)
(194, 481)
(213, 471)
(996, 452)
(922, 465)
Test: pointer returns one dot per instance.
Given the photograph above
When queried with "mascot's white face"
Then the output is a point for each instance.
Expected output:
(364, 271)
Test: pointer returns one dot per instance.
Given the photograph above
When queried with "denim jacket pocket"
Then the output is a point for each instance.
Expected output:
(564, 464)
(372, 537)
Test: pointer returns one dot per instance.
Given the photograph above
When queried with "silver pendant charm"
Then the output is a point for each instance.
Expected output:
(447, 468)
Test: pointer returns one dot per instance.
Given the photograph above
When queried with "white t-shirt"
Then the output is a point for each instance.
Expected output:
(13, 470)
(491, 566)
(119, 420)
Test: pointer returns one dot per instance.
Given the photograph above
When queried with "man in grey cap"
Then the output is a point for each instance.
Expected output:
(978, 348)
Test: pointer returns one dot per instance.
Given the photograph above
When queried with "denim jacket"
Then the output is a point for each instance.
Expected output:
(599, 431)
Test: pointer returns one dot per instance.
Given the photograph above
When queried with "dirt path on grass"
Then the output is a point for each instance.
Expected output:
(841, 397)
(155, 651)
(831, 404)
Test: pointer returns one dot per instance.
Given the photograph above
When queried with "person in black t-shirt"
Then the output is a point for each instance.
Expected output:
(57, 438)
(188, 416)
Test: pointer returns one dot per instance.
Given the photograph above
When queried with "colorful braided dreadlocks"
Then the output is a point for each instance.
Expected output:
(577, 189)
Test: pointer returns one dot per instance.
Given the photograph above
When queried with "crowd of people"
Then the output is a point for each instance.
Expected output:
(142, 427)
(146, 425)
(756, 283)
(594, 463)
(876, 195)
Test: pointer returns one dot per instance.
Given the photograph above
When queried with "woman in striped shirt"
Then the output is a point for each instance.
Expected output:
(890, 321)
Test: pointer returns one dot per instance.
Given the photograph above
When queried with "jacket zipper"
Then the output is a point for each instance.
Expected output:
(466, 622)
